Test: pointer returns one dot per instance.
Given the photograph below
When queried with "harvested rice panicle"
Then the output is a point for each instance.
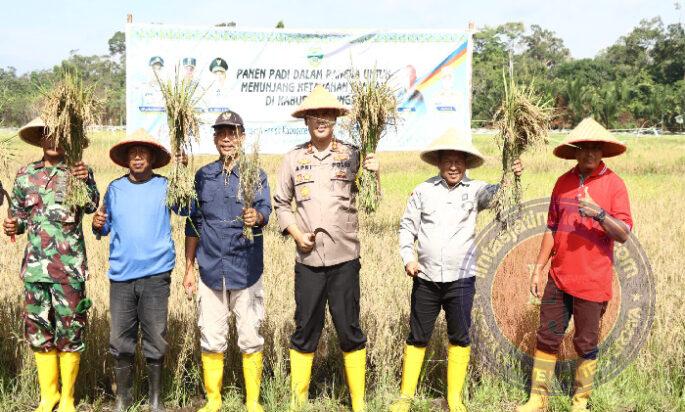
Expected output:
(374, 110)
(180, 99)
(523, 121)
(250, 181)
(69, 108)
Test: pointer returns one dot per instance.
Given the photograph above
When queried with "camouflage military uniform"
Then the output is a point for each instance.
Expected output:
(54, 267)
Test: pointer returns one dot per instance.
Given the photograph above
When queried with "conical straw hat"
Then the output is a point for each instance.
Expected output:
(33, 132)
(119, 152)
(320, 99)
(453, 139)
(589, 131)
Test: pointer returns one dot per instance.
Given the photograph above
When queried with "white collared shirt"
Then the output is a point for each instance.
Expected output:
(441, 220)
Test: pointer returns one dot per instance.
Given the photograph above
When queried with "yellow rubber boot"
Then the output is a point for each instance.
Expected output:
(300, 375)
(355, 372)
(543, 373)
(585, 376)
(457, 365)
(252, 372)
(68, 370)
(411, 370)
(48, 377)
(213, 375)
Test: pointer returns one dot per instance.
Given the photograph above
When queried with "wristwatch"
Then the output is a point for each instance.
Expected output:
(600, 216)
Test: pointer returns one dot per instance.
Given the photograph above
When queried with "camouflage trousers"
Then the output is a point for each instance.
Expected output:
(55, 315)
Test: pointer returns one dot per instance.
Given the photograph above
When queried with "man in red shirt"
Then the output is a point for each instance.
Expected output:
(589, 210)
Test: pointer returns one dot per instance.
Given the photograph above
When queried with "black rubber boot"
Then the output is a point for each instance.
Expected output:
(154, 376)
(123, 376)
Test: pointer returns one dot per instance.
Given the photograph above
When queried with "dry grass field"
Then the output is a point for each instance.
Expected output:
(653, 170)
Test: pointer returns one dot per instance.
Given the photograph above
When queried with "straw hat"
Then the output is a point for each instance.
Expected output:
(119, 152)
(320, 99)
(33, 133)
(589, 131)
(453, 139)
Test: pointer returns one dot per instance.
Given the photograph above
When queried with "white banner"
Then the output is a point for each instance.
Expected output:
(263, 75)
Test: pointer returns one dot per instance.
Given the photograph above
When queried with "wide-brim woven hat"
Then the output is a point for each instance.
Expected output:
(33, 132)
(589, 131)
(320, 99)
(457, 140)
(119, 152)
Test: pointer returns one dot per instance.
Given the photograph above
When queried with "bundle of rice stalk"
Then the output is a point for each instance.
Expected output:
(6, 155)
(374, 110)
(523, 121)
(69, 108)
(180, 98)
(250, 181)
(6, 151)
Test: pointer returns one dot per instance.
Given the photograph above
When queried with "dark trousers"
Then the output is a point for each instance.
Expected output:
(140, 302)
(556, 310)
(427, 298)
(339, 286)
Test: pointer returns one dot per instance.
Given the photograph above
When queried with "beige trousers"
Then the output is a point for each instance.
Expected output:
(214, 307)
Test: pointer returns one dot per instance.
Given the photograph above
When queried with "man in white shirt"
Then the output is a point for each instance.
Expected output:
(441, 220)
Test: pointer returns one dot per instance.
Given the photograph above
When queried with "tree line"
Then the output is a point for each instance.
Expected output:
(639, 81)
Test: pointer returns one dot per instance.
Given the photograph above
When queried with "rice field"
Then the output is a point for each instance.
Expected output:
(655, 381)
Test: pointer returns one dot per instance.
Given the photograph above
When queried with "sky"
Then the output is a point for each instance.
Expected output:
(37, 34)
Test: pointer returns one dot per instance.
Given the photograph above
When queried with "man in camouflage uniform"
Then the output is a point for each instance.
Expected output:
(54, 267)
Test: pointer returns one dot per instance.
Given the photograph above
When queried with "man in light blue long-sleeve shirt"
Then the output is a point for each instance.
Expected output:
(141, 258)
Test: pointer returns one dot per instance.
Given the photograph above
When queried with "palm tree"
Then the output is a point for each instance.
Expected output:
(577, 98)
(606, 102)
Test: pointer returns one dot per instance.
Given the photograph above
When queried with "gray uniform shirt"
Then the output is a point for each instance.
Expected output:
(442, 222)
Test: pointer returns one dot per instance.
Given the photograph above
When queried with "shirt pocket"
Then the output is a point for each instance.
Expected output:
(303, 189)
(341, 186)
(429, 216)
(208, 199)
(464, 211)
(55, 211)
(207, 194)
(31, 199)
(63, 215)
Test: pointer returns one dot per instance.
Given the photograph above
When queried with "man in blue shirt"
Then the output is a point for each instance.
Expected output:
(141, 258)
(231, 266)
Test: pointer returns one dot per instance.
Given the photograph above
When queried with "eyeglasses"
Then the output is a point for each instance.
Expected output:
(231, 134)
